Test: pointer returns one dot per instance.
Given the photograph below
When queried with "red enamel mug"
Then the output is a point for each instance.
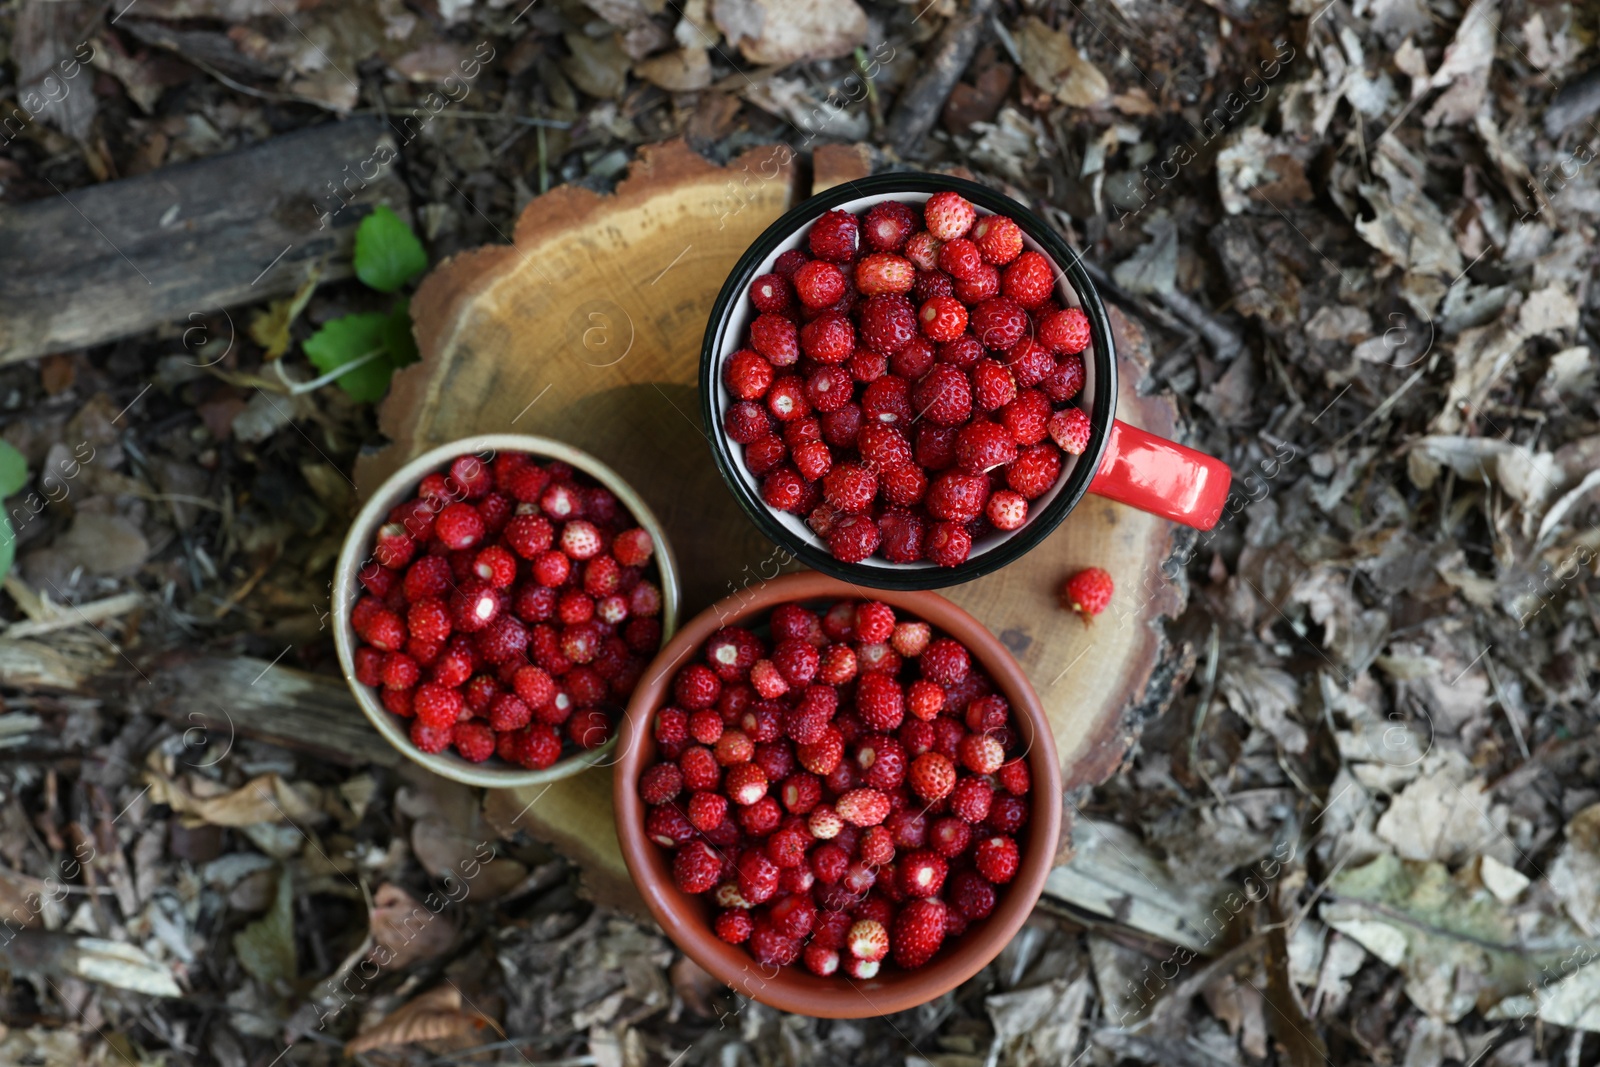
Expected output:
(1121, 462)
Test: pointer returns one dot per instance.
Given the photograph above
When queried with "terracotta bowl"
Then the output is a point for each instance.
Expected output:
(687, 919)
(357, 552)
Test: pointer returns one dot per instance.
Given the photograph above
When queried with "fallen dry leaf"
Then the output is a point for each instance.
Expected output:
(436, 1017)
(265, 798)
(780, 32)
(1054, 64)
(405, 930)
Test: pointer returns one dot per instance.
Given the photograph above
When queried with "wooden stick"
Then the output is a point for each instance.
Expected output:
(919, 106)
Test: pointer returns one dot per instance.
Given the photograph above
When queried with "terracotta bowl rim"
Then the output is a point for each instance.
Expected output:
(793, 988)
(356, 550)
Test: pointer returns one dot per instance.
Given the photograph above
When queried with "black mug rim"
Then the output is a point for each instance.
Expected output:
(889, 575)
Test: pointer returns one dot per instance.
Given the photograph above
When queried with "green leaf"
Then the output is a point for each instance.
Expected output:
(13, 470)
(388, 254)
(8, 544)
(347, 339)
(266, 947)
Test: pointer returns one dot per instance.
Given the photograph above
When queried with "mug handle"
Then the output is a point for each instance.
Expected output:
(1162, 477)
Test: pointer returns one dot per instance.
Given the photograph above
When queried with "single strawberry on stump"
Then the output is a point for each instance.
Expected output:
(930, 320)
(858, 806)
(518, 573)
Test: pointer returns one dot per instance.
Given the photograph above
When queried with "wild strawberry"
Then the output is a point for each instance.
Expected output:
(922, 249)
(820, 961)
(993, 386)
(700, 769)
(837, 665)
(887, 402)
(1027, 417)
(776, 338)
(867, 940)
(970, 800)
(914, 360)
(645, 600)
(1066, 381)
(667, 827)
(399, 671)
(733, 926)
(943, 318)
(824, 823)
(770, 292)
(800, 793)
(981, 446)
(829, 338)
(746, 783)
(705, 726)
(524, 482)
(1029, 363)
(696, 867)
(474, 741)
(850, 487)
(957, 497)
(428, 620)
(379, 627)
(861, 970)
(1065, 332)
(696, 687)
(455, 664)
(922, 874)
(868, 366)
(660, 783)
(1087, 592)
(538, 746)
(884, 272)
(932, 776)
(747, 374)
(949, 836)
(786, 400)
(1029, 281)
(999, 322)
(706, 810)
(878, 656)
(929, 284)
(758, 876)
(436, 705)
(1034, 471)
(733, 746)
(502, 641)
(863, 807)
(943, 396)
(602, 577)
(772, 949)
(1069, 429)
(887, 225)
(369, 666)
(787, 848)
(768, 680)
(948, 215)
(633, 548)
(819, 284)
(834, 237)
(971, 895)
(874, 621)
(761, 818)
(853, 539)
(793, 916)
(983, 285)
(427, 577)
(1015, 778)
(887, 323)
(573, 606)
(822, 756)
(880, 701)
(904, 485)
(998, 238)
(796, 661)
(960, 259)
(789, 262)
(828, 389)
(745, 421)
(1007, 510)
(458, 526)
(996, 858)
(948, 544)
(1007, 814)
(430, 738)
(763, 724)
(883, 446)
(393, 547)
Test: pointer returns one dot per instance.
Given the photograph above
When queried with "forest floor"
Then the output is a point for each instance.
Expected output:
(1363, 236)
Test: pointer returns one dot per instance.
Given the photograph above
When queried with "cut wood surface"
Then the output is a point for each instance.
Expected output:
(588, 329)
(185, 243)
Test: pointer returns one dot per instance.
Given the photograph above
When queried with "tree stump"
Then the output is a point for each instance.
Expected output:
(588, 327)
